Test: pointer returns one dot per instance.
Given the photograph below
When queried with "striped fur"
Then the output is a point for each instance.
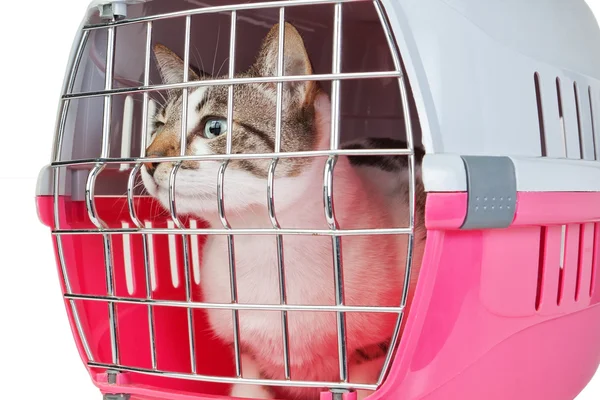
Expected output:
(370, 192)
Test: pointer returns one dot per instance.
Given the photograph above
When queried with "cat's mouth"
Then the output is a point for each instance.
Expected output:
(159, 187)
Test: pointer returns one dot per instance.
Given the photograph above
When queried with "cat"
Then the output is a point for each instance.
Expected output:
(369, 192)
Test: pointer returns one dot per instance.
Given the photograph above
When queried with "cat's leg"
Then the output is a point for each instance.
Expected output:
(366, 373)
(251, 370)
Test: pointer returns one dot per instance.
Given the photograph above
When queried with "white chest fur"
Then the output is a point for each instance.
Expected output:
(373, 269)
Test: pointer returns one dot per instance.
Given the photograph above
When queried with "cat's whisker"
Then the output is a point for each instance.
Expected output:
(200, 57)
(216, 48)
(221, 67)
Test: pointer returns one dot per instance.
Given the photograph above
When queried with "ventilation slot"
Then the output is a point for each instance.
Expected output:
(127, 131)
(151, 257)
(567, 266)
(540, 108)
(561, 263)
(586, 260)
(174, 262)
(127, 261)
(593, 116)
(561, 116)
(538, 296)
(195, 244)
(579, 128)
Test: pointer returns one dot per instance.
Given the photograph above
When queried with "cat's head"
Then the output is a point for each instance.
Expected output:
(252, 130)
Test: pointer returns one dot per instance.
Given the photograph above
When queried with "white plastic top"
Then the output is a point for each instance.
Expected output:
(472, 67)
(473, 63)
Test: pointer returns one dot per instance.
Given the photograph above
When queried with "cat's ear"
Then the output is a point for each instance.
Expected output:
(170, 66)
(295, 62)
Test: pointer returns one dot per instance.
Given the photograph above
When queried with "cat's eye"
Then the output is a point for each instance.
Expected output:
(158, 124)
(215, 127)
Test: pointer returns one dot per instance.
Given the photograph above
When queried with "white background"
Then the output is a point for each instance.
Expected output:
(37, 354)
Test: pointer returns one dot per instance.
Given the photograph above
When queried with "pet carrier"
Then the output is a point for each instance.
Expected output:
(504, 97)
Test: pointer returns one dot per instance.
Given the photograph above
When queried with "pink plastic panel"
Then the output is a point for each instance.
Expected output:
(85, 267)
(511, 313)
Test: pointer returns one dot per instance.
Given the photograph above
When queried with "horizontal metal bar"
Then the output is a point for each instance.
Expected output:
(224, 379)
(224, 157)
(235, 81)
(214, 10)
(234, 306)
(236, 231)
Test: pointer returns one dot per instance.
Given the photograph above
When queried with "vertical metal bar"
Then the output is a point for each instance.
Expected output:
(144, 144)
(232, 268)
(110, 290)
(186, 77)
(91, 208)
(108, 267)
(411, 180)
(108, 84)
(106, 125)
(271, 196)
(184, 117)
(172, 194)
(221, 200)
(280, 71)
(328, 193)
(130, 198)
(188, 298)
(335, 84)
(145, 113)
(338, 268)
(232, 45)
(139, 224)
(148, 279)
(56, 156)
(65, 103)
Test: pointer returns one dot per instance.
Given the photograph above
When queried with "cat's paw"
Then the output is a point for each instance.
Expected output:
(252, 371)
(250, 391)
(363, 394)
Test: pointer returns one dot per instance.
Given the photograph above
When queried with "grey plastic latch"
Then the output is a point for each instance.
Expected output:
(492, 191)
(339, 394)
(113, 10)
(111, 377)
(112, 380)
(116, 397)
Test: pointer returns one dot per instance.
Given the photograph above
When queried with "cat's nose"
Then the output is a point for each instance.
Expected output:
(151, 166)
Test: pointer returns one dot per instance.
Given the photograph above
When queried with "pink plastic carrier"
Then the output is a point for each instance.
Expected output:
(504, 96)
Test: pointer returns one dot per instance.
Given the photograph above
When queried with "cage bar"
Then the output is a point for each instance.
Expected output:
(56, 156)
(221, 203)
(68, 88)
(271, 196)
(213, 10)
(93, 216)
(130, 196)
(238, 231)
(328, 200)
(108, 85)
(227, 157)
(177, 228)
(90, 185)
(221, 379)
(172, 195)
(234, 81)
(146, 99)
(411, 184)
(236, 306)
